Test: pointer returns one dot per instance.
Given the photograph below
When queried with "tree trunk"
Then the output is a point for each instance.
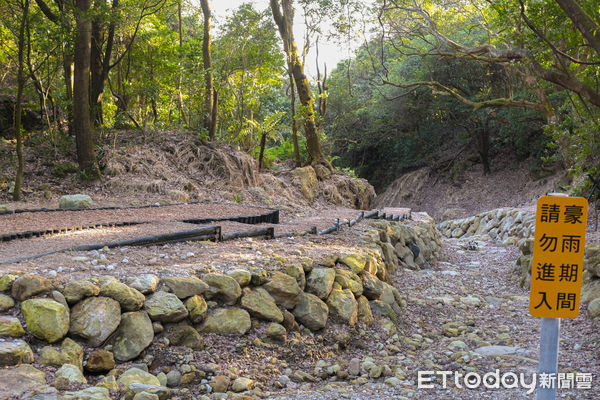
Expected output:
(323, 89)
(294, 124)
(284, 17)
(96, 82)
(483, 140)
(20, 84)
(213, 119)
(101, 61)
(82, 126)
(67, 63)
(208, 75)
(180, 95)
(263, 143)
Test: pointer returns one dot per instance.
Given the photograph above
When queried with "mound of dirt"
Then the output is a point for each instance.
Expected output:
(169, 167)
(180, 164)
(511, 184)
(184, 170)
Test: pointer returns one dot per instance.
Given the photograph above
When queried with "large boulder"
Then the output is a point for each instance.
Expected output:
(95, 319)
(91, 393)
(17, 382)
(46, 319)
(590, 290)
(185, 286)
(197, 308)
(372, 286)
(29, 285)
(356, 262)
(75, 291)
(322, 172)
(306, 180)
(365, 314)
(136, 375)
(135, 333)
(227, 321)
(6, 302)
(129, 298)
(311, 312)
(67, 376)
(343, 306)
(69, 353)
(99, 361)
(223, 287)
(10, 326)
(297, 271)
(320, 282)
(15, 352)
(144, 283)
(165, 307)
(6, 282)
(349, 280)
(594, 308)
(75, 202)
(284, 289)
(592, 259)
(260, 304)
(184, 335)
(242, 276)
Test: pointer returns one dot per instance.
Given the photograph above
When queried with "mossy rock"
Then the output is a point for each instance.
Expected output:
(46, 319)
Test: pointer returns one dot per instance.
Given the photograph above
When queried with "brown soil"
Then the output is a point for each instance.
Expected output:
(511, 184)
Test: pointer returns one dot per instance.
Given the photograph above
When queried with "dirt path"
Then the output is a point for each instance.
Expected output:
(151, 221)
(467, 302)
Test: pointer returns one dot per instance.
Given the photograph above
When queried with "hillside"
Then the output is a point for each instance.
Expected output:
(465, 191)
(170, 167)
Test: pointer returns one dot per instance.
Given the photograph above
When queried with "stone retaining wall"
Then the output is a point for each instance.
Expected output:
(90, 327)
(501, 224)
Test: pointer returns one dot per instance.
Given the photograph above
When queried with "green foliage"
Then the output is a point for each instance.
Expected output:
(383, 131)
(372, 130)
(238, 198)
(62, 169)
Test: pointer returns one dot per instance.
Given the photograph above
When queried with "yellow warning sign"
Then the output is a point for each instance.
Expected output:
(558, 253)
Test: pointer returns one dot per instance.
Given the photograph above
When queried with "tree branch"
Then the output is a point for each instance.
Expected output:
(477, 105)
(548, 42)
(47, 11)
(583, 22)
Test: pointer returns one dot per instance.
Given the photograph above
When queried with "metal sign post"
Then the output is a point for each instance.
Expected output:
(556, 276)
(549, 335)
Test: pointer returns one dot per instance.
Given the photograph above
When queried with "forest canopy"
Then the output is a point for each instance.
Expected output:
(428, 81)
